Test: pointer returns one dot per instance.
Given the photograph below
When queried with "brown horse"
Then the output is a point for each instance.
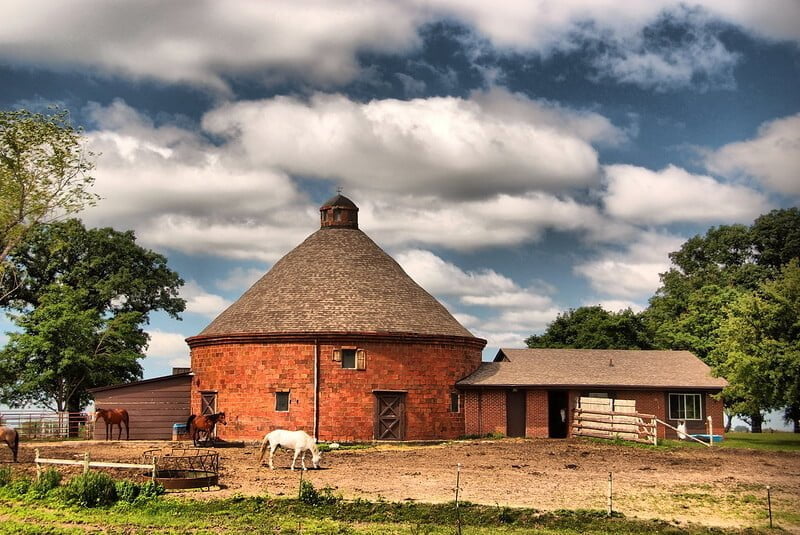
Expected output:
(10, 436)
(204, 423)
(114, 417)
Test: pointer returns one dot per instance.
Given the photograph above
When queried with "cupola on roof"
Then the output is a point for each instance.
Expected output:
(337, 281)
(338, 212)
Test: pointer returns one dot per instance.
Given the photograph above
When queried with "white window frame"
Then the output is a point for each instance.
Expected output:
(685, 395)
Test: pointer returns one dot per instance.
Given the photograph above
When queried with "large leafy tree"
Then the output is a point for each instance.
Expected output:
(44, 173)
(84, 297)
(593, 327)
(708, 274)
(758, 347)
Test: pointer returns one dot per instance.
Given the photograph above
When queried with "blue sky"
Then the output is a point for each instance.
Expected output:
(517, 158)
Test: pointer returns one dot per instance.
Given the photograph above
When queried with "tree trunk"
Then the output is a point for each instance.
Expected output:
(755, 422)
(729, 423)
(796, 425)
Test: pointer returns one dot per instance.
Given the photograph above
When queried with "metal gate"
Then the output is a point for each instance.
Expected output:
(389, 412)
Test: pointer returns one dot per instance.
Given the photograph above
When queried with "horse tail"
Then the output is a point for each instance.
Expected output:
(264, 444)
(189, 422)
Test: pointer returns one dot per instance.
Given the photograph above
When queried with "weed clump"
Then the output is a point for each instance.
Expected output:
(92, 489)
(311, 496)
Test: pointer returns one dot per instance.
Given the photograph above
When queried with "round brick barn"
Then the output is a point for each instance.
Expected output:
(336, 339)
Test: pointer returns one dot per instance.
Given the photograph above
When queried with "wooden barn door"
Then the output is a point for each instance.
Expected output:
(515, 412)
(208, 405)
(389, 412)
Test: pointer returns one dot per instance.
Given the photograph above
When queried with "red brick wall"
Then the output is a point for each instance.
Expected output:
(246, 377)
(536, 417)
(484, 412)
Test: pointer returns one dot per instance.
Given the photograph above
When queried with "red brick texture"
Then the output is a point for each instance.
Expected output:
(536, 417)
(485, 411)
(246, 377)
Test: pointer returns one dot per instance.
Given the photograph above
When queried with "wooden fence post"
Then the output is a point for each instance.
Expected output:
(86, 462)
(38, 466)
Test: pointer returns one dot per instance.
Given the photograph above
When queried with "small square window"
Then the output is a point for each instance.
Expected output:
(349, 358)
(282, 401)
(454, 402)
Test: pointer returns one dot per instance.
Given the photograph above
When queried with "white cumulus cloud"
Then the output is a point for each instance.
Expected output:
(167, 349)
(640, 195)
(445, 146)
(773, 156)
(633, 272)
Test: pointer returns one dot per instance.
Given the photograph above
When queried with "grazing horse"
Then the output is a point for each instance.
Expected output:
(299, 441)
(10, 436)
(204, 423)
(114, 417)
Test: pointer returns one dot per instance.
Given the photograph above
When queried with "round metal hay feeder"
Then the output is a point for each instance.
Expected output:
(184, 468)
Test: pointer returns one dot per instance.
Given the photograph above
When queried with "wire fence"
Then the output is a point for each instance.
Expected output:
(39, 425)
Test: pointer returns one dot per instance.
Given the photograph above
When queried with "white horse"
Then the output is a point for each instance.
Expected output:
(299, 441)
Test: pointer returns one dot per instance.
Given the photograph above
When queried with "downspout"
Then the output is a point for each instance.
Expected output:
(315, 428)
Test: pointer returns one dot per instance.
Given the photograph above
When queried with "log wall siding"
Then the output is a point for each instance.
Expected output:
(153, 407)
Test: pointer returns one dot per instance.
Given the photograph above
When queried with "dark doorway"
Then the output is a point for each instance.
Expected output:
(557, 413)
(389, 412)
(515, 413)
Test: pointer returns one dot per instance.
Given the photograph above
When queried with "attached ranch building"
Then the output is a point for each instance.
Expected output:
(534, 392)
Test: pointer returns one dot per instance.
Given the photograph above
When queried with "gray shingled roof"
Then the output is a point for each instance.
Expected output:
(337, 280)
(595, 368)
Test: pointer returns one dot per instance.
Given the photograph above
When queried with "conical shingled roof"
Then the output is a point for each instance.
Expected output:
(337, 281)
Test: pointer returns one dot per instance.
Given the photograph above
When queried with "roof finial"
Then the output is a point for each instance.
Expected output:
(339, 190)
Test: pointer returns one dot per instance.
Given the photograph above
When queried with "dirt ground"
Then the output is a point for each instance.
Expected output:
(720, 487)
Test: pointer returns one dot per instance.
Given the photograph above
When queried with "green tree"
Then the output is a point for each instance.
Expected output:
(710, 272)
(593, 327)
(43, 173)
(758, 349)
(83, 298)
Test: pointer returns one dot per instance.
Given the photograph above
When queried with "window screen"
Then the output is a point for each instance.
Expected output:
(282, 401)
(685, 407)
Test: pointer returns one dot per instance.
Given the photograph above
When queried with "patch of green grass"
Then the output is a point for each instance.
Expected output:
(762, 441)
(264, 515)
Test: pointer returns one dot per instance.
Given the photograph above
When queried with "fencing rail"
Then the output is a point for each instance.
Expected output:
(86, 463)
(633, 426)
(33, 424)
